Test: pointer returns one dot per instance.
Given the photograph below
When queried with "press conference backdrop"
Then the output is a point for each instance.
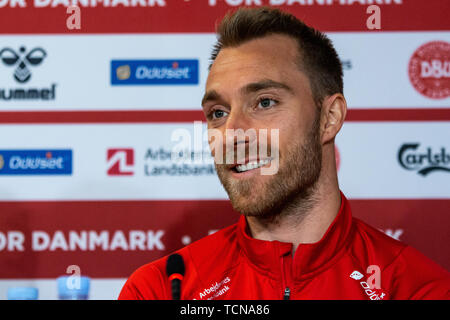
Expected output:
(89, 118)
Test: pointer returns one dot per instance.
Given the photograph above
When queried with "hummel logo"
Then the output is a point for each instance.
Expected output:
(356, 275)
(22, 60)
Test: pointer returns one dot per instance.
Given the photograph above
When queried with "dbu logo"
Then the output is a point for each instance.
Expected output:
(120, 162)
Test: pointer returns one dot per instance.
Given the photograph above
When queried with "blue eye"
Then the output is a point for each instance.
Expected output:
(266, 103)
(217, 114)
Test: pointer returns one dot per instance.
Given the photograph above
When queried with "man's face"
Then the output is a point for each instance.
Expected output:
(258, 85)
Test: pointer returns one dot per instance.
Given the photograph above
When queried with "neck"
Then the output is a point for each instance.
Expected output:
(307, 220)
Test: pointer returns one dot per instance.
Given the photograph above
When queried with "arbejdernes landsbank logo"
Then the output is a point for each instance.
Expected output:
(23, 61)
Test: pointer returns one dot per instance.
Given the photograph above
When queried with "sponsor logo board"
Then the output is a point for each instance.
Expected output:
(145, 158)
(35, 162)
(105, 81)
(155, 72)
(394, 160)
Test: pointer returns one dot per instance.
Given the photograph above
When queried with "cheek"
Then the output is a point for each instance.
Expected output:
(289, 135)
(217, 151)
(215, 140)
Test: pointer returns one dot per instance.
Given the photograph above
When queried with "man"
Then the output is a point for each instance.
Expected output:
(296, 238)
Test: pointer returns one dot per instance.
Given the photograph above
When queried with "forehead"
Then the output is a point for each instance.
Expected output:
(274, 57)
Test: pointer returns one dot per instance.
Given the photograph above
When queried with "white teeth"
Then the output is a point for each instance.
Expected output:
(252, 165)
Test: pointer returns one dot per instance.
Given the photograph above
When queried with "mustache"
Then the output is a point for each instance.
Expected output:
(238, 148)
(242, 153)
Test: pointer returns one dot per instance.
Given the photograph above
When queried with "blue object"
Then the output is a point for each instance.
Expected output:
(23, 293)
(36, 162)
(73, 288)
(155, 72)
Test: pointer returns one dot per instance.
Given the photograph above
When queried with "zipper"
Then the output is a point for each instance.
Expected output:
(287, 290)
(287, 293)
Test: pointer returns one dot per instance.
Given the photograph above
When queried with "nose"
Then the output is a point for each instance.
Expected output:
(241, 138)
(237, 124)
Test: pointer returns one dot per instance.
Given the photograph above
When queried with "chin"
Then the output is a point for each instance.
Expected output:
(250, 207)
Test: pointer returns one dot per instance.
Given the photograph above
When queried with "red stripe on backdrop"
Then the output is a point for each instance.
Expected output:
(110, 239)
(129, 116)
(398, 115)
(156, 116)
(183, 16)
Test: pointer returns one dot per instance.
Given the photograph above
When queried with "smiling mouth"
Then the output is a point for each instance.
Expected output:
(251, 165)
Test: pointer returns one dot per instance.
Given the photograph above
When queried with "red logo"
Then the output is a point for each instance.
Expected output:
(120, 162)
(429, 69)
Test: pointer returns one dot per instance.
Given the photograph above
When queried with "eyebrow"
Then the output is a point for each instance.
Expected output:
(249, 88)
(265, 84)
(211, 95)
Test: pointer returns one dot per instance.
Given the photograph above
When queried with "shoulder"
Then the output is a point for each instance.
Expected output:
(408, 273)
(203, 259)
(418, 277)
(373, 246)
(220, 246)
(146, 282)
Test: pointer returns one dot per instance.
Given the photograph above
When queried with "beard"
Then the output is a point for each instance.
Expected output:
(287, 192)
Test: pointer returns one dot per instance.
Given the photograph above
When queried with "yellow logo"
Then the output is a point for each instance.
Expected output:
(2, 162)
(123, 72)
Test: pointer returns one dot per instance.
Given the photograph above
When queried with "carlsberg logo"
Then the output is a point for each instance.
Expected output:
(424, 162)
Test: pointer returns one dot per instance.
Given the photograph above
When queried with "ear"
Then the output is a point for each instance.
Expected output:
(334, 110)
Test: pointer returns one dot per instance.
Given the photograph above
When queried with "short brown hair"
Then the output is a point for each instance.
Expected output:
(318, 58)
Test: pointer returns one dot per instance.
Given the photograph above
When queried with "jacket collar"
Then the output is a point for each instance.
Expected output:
(309, 259)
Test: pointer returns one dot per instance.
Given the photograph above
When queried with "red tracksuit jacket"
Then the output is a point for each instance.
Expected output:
(231, 265)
